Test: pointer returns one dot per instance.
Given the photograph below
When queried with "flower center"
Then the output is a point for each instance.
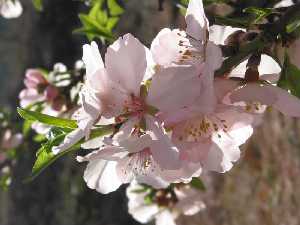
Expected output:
(190, 50)
(135, 106)
(140, 162)
(254, 107)
(202, 127)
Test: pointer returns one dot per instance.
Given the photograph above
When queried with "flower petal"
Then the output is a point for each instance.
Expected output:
(165, 47)
(126, 63)
(269, 95)
(129, 169)
(197, 23)
(92, 59)
(163, 150)
(101, 175)
(163, 92)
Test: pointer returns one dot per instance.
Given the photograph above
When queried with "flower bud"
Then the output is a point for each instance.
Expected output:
(34, 78)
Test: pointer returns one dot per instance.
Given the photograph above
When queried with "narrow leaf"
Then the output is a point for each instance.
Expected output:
(46, 119)
(114, 8)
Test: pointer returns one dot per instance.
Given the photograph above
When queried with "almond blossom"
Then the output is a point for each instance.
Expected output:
(40, 91)
(211, 140)
(165, 205)
(113, 99)
(191, 47)
(116, 90)
(10, 8)
(34, 82)
(130, 156)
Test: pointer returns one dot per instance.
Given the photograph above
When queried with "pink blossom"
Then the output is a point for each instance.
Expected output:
(176, 47)
(210, 140)
(172, 48)
(35, 84)
(164, 207)
(130, 156)
(34, 78)
(113, 90)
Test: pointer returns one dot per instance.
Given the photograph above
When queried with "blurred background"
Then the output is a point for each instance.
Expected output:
(263, 188)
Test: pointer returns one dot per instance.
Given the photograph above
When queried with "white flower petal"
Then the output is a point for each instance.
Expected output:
(197, 23)
(11, 9)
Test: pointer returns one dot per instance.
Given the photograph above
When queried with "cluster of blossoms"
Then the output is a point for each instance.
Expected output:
(173, 118)
(53, 93)
(10, 8)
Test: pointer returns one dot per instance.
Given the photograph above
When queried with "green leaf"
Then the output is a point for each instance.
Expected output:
(101, 20)
(114, 8)
(38, 5)
(112, 22)
(46, 119)
(197, 184)
(39, 138)
(94, 10)
(92, 27)
(45, 156)
(259, 13)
